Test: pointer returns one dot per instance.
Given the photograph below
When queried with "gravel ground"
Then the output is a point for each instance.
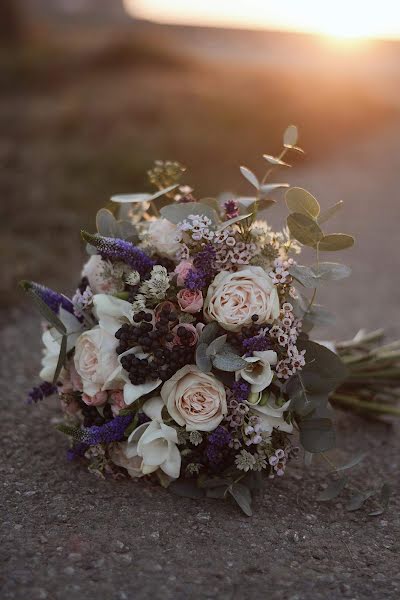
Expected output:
(68, 535)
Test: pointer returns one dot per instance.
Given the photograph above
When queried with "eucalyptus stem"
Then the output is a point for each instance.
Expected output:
(365, 405)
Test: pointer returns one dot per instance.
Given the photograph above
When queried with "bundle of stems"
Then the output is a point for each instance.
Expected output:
(373, 385)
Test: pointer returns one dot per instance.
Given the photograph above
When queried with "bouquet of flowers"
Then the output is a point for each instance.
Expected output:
(185, 355)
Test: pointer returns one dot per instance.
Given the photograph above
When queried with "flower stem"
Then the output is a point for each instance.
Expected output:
(365, 405)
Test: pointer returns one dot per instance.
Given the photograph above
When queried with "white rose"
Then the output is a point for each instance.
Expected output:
(96, 359)
(153, 445)
(52, 341)
(195, 399)
(163, 235)
(271, 415)
(233, 298)
(258, 371)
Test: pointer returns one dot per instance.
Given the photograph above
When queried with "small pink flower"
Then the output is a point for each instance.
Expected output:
(96, 400)
(118, 403)
(182, 270)
(190, 301)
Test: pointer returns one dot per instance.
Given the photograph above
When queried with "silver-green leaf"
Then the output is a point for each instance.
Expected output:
(304, 229)
(299, 200)
(250, 176)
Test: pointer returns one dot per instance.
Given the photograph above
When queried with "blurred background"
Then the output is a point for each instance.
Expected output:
(92, 91)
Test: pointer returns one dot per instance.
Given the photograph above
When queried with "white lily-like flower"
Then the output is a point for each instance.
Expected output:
(52, 341)
(258, 371)
(112, 312)
(155, 443)
(271, 414)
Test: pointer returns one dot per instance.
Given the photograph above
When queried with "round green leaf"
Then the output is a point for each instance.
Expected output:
(290, 136)
(304, 229)
(336, 241)
(301, 201)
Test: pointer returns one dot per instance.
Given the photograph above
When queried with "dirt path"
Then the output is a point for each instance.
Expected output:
(67, 535)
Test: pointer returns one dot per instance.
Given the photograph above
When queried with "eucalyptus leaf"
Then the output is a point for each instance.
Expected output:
(304, 229)
(265, 203)
(330, 212)
(216, 345)
(353, 462)
(317, 435)
(384, 501)
(186, 488)
(274, 160)
(164, 191)
(299, 200)
(125, 230)
(105, 223)
(218, 493)
(304, 275)
(267, 188)
(203, 361)
(251, 178)
(290, 136)
(175, 213)
(333, 490)
(330, 271)
(233, 221)
(213, 482)
(209, 333)
(317, 315)
(336, 241)
(61, 358)
(228, 361)
(130, 198)
(212, 203)
(324, 371)
(242, 495)
(357, 501)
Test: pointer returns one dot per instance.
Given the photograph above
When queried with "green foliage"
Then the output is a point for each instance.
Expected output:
(290, 136)
(274, 160)
(203, 361)
(317, 435)
(304, 229)
(330, 212)
(209, 333)
(324, 370)
(228, 361)
(44, 310)
(242, 495)
(61, 358)
(216, 345)
(336, 241)
(301, 201)
(175, 213)
(251, 178)
(312, 277)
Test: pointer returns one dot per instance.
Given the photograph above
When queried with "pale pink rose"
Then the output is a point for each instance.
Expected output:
(190, 301)
(195, 399)
(96, 360)
(233, 298)
(189, 327)
(117, 397)
(96, 400)
(182, 271)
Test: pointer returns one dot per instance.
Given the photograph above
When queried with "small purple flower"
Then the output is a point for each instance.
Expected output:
(195, 280)
(217, 441)
(231, 209)
(53, 299)
(77, 451)
(241, 390)
(258, 343)
(205, 260)
(41, 391)
(117, 249)
(113, 431)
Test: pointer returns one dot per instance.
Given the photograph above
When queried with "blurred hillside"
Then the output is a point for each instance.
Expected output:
(86, 107)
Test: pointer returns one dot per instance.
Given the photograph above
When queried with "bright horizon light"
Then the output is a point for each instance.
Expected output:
(341, 19)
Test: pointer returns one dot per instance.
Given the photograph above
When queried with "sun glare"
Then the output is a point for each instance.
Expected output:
(338, 19)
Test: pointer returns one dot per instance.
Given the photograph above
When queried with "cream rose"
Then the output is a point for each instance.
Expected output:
(96, 360)
(163, 235)
(233, 298)
(195, 399)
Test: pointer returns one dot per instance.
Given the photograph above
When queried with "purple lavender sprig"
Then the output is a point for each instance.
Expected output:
(204, 269)
(257, 343)
(117, 249)
(216, 442)
(44, 390)
(113, 431)
(241, 390)
(53, 299)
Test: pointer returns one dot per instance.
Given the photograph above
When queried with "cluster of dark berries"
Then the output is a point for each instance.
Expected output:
(252, 330)
(156, 340)
(91, 415)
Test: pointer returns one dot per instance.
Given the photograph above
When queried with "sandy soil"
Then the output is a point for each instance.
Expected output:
(67, 535)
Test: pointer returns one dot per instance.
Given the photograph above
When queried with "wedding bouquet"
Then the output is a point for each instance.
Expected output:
(185, 354)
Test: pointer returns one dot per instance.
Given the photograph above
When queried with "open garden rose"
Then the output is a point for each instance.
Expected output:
(233, 298)
(95, 359)
(195, 399)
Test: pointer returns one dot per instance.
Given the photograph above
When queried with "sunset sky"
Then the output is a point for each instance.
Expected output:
(339, 18)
